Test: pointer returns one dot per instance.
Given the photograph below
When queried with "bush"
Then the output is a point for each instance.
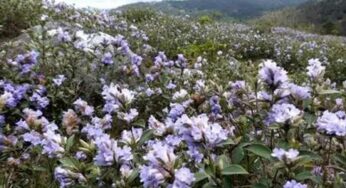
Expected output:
(16, 15)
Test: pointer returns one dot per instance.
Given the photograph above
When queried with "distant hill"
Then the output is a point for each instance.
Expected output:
(322, 16)
(240, 9)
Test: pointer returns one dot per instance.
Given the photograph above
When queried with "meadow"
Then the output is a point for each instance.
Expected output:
(139, 98)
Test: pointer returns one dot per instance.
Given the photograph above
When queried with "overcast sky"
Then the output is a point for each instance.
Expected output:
(104, 4)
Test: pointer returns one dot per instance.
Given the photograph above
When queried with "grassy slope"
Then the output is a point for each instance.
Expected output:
(325, 17)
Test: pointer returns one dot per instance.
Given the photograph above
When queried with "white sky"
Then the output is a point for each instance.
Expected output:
(103, 4)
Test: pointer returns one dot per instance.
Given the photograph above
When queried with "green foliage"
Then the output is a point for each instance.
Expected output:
(324, 17)
(137, 15)
(16, 15)
(240, 9)
(205, 20)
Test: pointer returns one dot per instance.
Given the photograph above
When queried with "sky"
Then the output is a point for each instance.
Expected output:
(103, 4)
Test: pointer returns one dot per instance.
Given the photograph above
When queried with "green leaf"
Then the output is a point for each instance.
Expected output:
(260, 150)
(133, 175)
(69, 143)
(223, 161)
(303, 176)
(227, 182)
(310, 154)
(341, 159)
(147, 135)
(39, 168)
(200, 176)
(226, 143)
(260, 185)
(69, 163)
(209, 185)
(140, 123)
(234, 169)
(238, 154)
(329, 92)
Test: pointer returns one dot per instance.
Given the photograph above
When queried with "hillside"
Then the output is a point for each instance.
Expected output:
(240, 9)
(325, 17)
(137, 98)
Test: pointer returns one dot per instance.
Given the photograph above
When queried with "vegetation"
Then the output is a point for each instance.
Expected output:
(236, 9)
(144, 99)
(325, 17)
(16, 15)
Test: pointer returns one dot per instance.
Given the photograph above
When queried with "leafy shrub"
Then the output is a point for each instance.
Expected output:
(100, 105)
(16, 15)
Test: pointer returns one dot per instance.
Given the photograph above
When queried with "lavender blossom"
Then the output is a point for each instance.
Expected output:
(151, 177)
(282, 113)
(40, 102)
(272, 75)
(183, 178)
(287, 156)
(107, 59)
(67, 178)
(315, 69)
(294, 184)
(333, 124)
(58, 80)
(108, 152)
(176, 111)
(300, 92)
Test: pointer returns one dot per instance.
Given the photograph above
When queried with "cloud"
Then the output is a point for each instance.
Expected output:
(104, 4)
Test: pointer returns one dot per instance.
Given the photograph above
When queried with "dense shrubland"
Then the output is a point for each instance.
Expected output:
(324, 17)
(141, 99)
(17, 15)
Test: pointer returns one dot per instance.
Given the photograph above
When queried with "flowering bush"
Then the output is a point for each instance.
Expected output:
(16, 15)
(98, 104)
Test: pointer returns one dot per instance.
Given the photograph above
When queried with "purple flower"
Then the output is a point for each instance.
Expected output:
(8, 99)
(195, 154)
(80, 155)
(58, 80)
(294, 184)
(332, 123)
(151, 177)
(83, 107)
(107, 59)
(300, 92)
(108, 152)
(32, 57)
(283, 155)
(183, 178)
(171, 85)
(67, 178)
(132, 136)
(33, 137)
(158, 127)
(181, 62)
(92, 131)
(52, 144)
(2, 120)
(199, 129)
(149, 77)
(41, 102)
(161, 154)
(315, 69)
(282, 113)
(136, 60)
(176, 111)
(272, 75)
(215, 106)
(63, 36)
(128, 117)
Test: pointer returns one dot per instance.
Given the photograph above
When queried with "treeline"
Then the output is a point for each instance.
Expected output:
(239, 9)
(324, 17)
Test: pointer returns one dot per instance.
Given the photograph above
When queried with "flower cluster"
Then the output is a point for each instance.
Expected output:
(98, 104)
